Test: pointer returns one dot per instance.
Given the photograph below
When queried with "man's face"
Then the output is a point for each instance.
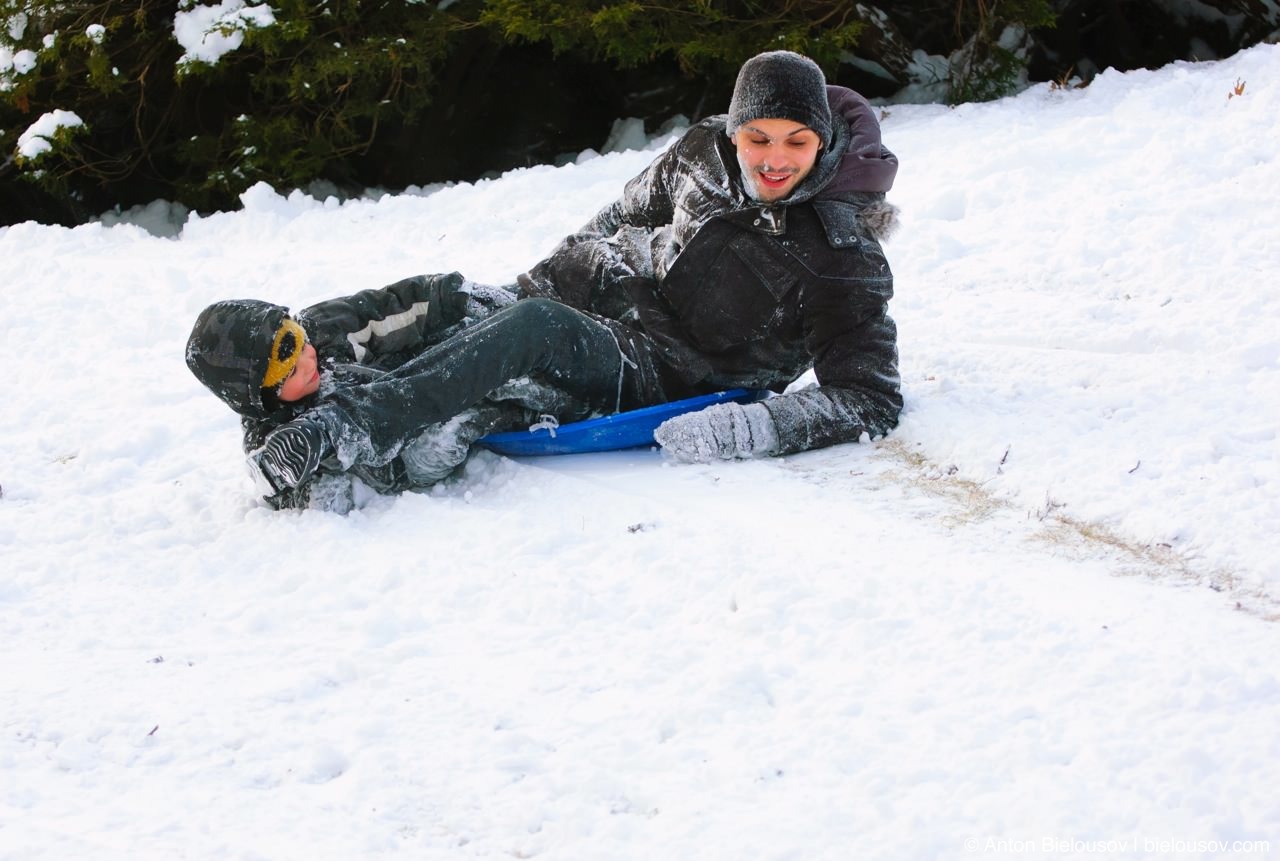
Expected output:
(305, 377)
(775, 156)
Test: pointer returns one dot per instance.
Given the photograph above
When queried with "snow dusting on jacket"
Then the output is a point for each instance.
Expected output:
(739, 293)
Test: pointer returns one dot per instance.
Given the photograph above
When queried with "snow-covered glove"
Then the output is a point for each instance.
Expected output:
(288, 457)
(721, 432)
(485, 299)
(442, 448)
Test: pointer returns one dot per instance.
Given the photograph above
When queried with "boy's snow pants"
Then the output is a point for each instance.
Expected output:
(605, 364)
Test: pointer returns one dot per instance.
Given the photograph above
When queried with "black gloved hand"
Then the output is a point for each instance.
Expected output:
(289, 456)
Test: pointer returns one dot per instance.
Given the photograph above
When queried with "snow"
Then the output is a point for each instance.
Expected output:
(966, 640)
(208, 32)
(21, 62)
(24, 61)
(38, 138)
(624, 135)
(159, 218)
(96, 33)
(17, 26)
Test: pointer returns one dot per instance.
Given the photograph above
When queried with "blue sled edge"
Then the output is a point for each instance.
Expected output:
(608, 433)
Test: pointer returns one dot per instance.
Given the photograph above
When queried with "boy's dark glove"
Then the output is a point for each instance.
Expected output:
(288, 457)
(485, 299)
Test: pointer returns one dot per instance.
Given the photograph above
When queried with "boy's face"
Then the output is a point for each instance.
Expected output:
(305, 378)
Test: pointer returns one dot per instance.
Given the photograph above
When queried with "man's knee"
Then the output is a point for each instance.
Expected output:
(541, 313)
(553, 324)
(574, 350)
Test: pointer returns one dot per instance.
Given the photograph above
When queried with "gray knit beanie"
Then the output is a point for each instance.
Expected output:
(781, 85)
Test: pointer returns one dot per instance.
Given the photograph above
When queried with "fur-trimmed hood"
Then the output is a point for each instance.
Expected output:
(877, 216)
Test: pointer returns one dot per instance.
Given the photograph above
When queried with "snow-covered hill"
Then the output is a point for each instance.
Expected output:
(912, 649)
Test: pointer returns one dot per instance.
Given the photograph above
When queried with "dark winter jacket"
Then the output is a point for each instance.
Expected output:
(357, 339)
(737, 293)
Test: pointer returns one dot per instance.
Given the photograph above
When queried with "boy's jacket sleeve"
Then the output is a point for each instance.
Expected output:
(387, 320)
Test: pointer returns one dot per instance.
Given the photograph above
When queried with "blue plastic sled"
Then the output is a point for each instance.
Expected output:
(607, 433)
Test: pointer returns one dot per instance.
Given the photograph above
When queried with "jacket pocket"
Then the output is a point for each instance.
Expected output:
(741, 297)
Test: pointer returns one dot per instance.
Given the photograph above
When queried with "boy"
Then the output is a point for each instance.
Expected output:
(272, 368)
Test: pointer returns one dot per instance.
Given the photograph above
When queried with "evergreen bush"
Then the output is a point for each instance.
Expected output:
(702, 36)
(992, 59)
(306, 87)
(368, 92)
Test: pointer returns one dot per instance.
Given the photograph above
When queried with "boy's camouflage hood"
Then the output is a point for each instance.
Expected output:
(229, 348)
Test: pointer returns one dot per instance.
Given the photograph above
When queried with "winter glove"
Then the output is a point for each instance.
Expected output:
(288, 457)
(724, 431)
(485, 299)
(443, 447)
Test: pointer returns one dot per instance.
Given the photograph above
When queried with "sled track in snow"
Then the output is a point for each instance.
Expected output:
(893, 463)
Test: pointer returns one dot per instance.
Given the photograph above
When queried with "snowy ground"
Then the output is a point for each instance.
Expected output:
(1036, 620)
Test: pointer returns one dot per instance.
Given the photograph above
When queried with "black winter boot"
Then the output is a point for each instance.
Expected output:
(289, 456)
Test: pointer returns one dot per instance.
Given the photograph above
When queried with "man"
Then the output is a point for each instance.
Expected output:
(745, 254)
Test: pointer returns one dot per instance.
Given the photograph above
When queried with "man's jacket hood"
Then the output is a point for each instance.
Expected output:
(229, 348)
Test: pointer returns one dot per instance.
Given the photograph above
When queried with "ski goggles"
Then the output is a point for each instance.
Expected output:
(285, 348)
